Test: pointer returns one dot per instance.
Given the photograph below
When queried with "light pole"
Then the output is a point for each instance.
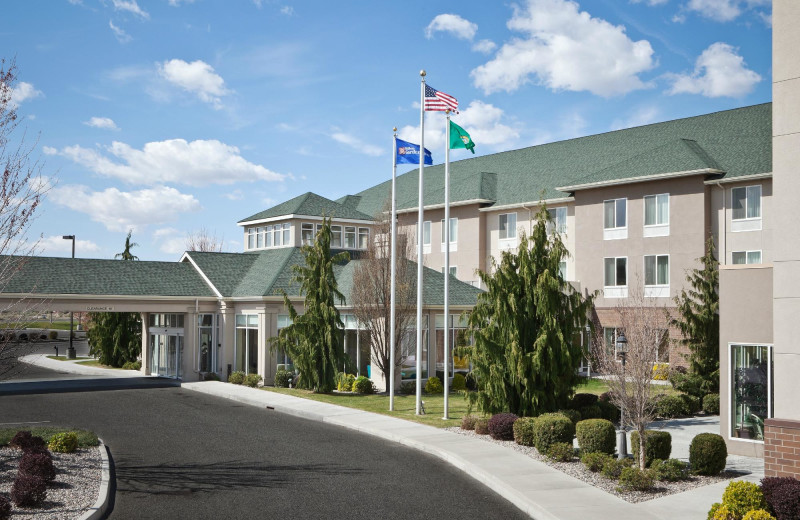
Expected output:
(71, 349)
(622, 442)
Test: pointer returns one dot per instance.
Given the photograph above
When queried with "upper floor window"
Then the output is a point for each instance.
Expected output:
(656, 276)
(453, 270)
(251, 238)
(336, 237)
(615, 277)
(287, 234)
(307, 233)
(615, 219)
(259, 237)
(426, 235)
(453, 233)
(363, 237)
(559, 220)
(508, 226)
(350, 237)
(656, 215)
(746, 257)
(746, 208)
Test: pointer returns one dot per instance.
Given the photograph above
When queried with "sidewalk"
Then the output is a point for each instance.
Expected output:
(71, 366)
(537, 489)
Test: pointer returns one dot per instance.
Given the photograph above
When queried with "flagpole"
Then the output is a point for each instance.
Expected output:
(390, 383)
(447, 266)
(420, 233)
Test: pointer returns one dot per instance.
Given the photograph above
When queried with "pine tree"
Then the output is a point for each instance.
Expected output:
(698, 320)
(524, 356)
(315, 339)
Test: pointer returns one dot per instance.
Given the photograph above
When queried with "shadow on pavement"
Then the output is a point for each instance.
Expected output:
(51, 386)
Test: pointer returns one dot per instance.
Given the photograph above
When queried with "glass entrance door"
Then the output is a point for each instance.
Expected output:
(165, 355)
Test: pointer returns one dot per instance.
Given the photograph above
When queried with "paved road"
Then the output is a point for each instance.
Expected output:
(179, 454)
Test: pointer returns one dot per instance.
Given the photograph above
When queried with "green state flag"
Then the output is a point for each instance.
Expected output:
(459, 138)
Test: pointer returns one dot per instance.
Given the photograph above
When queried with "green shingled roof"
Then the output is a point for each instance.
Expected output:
(739, 142)
(311, 204)
(44, 275)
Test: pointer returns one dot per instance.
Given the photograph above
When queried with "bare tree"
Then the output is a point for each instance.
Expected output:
(645, 326)
(371, 295)
(21, 192)
(203, 240)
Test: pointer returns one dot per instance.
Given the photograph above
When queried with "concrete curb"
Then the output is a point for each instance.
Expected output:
(100, 506)
(72, 367)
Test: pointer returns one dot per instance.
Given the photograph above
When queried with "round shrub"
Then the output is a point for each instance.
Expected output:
(579, 401)
(608, 411)
(25, 441)
(482, 426)
(252, 380)
(605, 396)
(596, 435)
(459, 383)
(501, 426)
(707, 454)
(53, 334)
(659, 446)
(65, 442)
(132, 365)
(551, 428)
(669, 406)
(635, 479)
(468, 422)
(408, 388)
(613, 468)
(720, 512)
(783, 496)
(33, 464)
(594, 460)
(237, 378)
(692, 404)
(363, 385)
(593, 411)
(572, 415)
(711, 404)
(434, 386)
(523, 431)
(742, 497)
(561, 452)
(28, 491)
(5, 508)
(282, 378)
(758, 514)
(670, 470)
(210, 376)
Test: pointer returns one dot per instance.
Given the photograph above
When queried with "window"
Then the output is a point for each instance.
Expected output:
(276, 235)
(508, 226)
(287, 234)
(453, 232)
(268, 240)
(615, 222)
(251, 238)
(207, 347)
(336, 237)
(426, 235)
(656, 276)
(746, 257)
(350, 237)
(363, 238)
(408, 348)
(246, 348)
(746, 202)
(457, 337)
(615, 284)
(307, 234)
(259, 237)
(453, 270)
(656, 215)
(559, 220)
(562, 268)
(751, 390)
(283, 360)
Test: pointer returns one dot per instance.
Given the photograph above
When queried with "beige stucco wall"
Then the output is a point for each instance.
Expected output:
(745, 309)
(728, 240)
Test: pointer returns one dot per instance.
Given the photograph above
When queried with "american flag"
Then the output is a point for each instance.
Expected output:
(436, 100)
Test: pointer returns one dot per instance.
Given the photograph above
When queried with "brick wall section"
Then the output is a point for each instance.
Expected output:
(781, 448)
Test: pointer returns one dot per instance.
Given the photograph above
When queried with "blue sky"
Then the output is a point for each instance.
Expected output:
(167, 116)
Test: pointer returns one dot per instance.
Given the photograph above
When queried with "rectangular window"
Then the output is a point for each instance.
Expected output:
(751, 390)
(287, 234)
(336, 237)
(508, 226)
(276, 235)
(259, 237)
(562, 269)
(268, 237)
(558, 216)
(746, 257)
(656, 210)
(350, 237)
(453, 270)
(307, 234)
(246, 346)
(656, 270)
(363, 238)
(453, 230)
(251, 238)
(615, 213)
(746, 202)
(616, 272)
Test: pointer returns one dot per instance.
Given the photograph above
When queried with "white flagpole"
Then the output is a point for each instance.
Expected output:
(390, 383)
(420, 232)
(447, 266)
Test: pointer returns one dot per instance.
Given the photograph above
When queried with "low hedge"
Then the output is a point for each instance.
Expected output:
(282, 378)
(28, 491)
(595, 460)
(434, 386)
(609, 411)
(711, 404)
(252, 380)
(523, 431)
(596, 435)
(635, 479)
(85, 437)
(561, 452)
(581, 400)
(237, 378)
(692, 404)
(468, 422)
(708, 454)
(613, 468)
(659, 446)
(670, 470)
(593, 411)
(551, 428)
(572, 415)
(37, 464)
(459, 383)
(742, 497)
(669, 406)
(782, 495)
(482, 426)
(66, 442)
(363, 385)
(501, 426)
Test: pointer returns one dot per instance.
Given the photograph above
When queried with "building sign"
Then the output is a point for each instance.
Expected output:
(99, 308)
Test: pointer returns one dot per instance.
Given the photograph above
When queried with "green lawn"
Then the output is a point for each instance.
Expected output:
(56, 325)
(85, 437)
(404, 405)
(598, 386)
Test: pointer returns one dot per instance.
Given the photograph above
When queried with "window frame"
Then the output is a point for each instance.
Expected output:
(337, 234)
(561, 229)
(615, 291)
(307, 227)
(747, 254)
(617, 232)
(731, 391)
(746, 198)
(453, 233)
(656, 290)
(659, 229)
(508, 229)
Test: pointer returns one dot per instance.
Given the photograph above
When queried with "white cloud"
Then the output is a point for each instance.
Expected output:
(196, 163)
(453, 24)
(120, 211)
(719, 10)
(119, 33)
(130, 6)
(197, 77)
(566, 49)
(287, 10)
(23, 92)
(170, 240)
(234, 195)
(718, 72)
(356, 144)
(650, 2)
(102, 122)
(177, 3)
(484, 46)
(55, 245)
(639, 117)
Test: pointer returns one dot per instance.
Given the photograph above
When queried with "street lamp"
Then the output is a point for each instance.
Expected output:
(588, 350)
(622, 442)
(71, 349)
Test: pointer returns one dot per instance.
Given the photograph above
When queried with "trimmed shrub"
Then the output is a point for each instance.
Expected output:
(691, 384)
(579, 401)
(593, 411)
(634, 479)
(53, 334)
(572, 415)
(758, 514)
(596, 435)
(670, 470)
(669, 406)
(720, 512)
(742, 497)
(210, 376)
(613, 468)
(282, 378)
(344, 382)
(783, 496)
(482, 426)
(252, 380)
(707, 454)
(468, 422)
(561, 452)
(25, 441)
(595, 460)
(434, 386)
(66, 442)
(605, 396)
(408, 388)
(659, 446)
(661, 371)
(28, 491)
(132, 365)
(5, 508)
(608, 411)
(692, 403)
(501, 426)
(523, 431)
(363, 385)
(459, 383)
(551, 428)
(711, 404)
(33, 464)
(237, 378)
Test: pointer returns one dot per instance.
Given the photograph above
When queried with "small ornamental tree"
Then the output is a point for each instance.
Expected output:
(524, 357)
(315, 339)
(698, 320)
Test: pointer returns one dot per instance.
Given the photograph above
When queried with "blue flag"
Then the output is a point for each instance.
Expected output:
(408, 153)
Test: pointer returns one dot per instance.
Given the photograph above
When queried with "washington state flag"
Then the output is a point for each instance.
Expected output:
(459, 138)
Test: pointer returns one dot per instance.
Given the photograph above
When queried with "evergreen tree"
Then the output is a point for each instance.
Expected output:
(315, 339)
(698, 321)
(525, 357)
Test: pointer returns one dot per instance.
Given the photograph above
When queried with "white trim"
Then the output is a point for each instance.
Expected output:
(745, 224)
(656, 291)
(615, 233)
(507, 243)
(441, 206)
(201, 273)
(656, 287)
(23, 297)
(526, 205)
(305, 217)
(656, 230)
(746, 255)
(507, 238)
(743, 178)
(729, 389)
(640, 178)
(615, 291)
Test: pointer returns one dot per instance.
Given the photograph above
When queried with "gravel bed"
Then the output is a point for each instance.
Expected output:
(579, 471)
(75, 489)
